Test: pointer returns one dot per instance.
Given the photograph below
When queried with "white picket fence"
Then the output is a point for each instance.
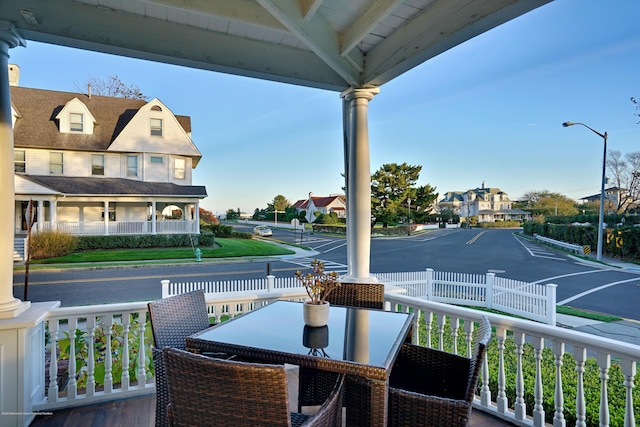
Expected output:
(531, 301)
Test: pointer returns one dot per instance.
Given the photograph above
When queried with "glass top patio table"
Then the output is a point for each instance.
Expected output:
(360, 342)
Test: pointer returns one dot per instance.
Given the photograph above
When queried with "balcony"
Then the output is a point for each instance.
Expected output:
(79, 386)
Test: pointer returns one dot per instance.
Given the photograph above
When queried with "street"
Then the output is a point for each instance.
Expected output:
(581, 285)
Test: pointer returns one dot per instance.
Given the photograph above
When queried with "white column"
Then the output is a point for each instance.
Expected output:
(9, 306)
(196, 208)
(153, 217)
(53, 214)
(106, 218)
(40, 218)
(358, 185)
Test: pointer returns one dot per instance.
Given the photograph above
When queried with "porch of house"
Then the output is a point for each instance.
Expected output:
(531, 345)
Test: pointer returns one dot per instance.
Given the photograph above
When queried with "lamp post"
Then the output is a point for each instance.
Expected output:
(604, 166)
(409, 229)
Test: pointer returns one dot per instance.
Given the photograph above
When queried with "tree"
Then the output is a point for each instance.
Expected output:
(231, 214)
(113, 87)
(208, 217)
(637, 104)
(547, 203)
(625, 171)
(392, 186)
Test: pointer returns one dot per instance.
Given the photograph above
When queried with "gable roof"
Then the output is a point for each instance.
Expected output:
(90, 186)
(319, 202)
(38, 128)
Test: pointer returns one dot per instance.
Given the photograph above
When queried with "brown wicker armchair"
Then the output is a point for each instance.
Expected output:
(172, 320)
(314, 385)
(433, 388)
(206, 391)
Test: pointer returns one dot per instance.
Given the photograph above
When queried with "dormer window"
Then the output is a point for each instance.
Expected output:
(156, 127)
(76, 121)
(75, 118)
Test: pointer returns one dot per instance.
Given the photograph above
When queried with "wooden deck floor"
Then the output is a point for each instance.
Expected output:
(140, 412)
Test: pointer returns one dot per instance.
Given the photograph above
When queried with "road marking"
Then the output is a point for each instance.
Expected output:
(537, 249)
(335, 247)
(476, 237)
(548, 279)
(591, 291)
(118, 279)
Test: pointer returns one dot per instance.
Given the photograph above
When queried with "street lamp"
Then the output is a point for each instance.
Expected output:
(409, 229)
(604, 165)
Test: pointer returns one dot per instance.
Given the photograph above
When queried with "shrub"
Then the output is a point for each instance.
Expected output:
(50, 244)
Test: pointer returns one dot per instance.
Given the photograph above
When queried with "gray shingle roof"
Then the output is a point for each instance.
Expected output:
(38, 128)
(115, 186)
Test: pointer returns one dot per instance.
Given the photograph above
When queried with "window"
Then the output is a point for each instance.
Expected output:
(132, 165)
(56, 164)
(97, 164)
(19, 161)
(156, 159)
(178, 170)
(156, 127)
(76, 122)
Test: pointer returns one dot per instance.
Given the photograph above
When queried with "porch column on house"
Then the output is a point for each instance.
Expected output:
(9, 306)
(196, 214)
(106, 218)
(358, 184)
(153, 218)
(40, 215)
(53, 214)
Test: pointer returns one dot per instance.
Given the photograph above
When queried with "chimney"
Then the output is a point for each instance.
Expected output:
(483, 185)
(89, 90)
(14, 74)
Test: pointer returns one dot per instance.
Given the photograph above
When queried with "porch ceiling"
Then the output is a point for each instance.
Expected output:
(329, 44)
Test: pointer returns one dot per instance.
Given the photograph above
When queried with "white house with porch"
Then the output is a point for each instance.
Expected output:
(488, 204)
(98, 165)
(322, 205)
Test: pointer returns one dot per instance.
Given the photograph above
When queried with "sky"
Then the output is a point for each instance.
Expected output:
(487, 111)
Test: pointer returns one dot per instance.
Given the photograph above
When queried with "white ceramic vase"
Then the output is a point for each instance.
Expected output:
(315, 315)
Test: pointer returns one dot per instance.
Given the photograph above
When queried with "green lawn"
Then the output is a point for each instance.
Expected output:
(227, 248)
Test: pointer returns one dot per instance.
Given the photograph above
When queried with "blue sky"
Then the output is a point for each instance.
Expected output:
(489, 110)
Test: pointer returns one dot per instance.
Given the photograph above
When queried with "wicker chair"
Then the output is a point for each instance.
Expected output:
(206, 391)
(172, 320)
(314, 385)
(433, 388)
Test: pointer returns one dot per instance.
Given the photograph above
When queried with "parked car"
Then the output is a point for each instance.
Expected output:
(262, 231)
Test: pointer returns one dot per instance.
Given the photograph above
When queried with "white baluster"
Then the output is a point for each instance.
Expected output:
(441, 319)
(520, 408)
(538, 408)
(485, 391)
(558, 417)
(629, 372)
(126, 324)
(52, 394)
(604, 363)
(108, 362)
(468, 329)
(502, 401)
(580, 354)
(455, 325)
(91, 364)
(428, 322)
(142, 350)
(72, 386)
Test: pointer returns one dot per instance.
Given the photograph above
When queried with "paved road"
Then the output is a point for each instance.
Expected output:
(582, 285)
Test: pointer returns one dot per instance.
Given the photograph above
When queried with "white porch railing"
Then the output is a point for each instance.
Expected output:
(97, 228)
(95, 374)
